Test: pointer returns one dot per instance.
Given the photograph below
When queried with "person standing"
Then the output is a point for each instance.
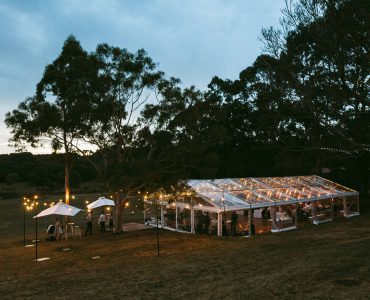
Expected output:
(206, 222)
(111, 222)
(234, 220)
(89, 223)
(102, 222)
(199, 228)
(58, 230)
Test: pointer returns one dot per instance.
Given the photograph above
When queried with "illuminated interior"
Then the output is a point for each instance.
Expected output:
(269, 203)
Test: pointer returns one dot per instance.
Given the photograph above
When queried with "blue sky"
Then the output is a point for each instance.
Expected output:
(193, 40)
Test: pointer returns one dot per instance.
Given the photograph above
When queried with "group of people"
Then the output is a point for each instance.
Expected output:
(56, 231)
(203, 222)
(233, 226)
(103, 219)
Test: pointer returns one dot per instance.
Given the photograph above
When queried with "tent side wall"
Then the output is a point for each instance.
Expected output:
(264, 214)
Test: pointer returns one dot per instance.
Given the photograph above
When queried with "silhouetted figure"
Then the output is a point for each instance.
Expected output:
(111, 222)
(252, 230)
(102, 222)
(89, 223)
(58, 229)
(199, 228)
(206, 222)
(234, 220)
(224, 229)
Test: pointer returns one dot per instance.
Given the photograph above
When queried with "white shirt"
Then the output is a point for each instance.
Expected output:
(101, 218)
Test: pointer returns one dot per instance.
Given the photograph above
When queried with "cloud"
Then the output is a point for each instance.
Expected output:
(29, 30)
(193, 40)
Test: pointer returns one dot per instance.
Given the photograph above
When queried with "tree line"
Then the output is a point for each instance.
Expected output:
(21, 173)
(302, 107)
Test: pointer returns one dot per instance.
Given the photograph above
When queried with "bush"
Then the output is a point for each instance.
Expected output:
(12, 178)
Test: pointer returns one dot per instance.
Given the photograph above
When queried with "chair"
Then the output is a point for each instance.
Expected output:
(70, 230)
(77, 232)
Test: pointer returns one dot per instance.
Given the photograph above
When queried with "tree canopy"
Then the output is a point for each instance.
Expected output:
(302, 107)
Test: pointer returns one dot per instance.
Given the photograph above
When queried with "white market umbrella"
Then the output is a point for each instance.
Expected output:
(102, 201)
(59, 209)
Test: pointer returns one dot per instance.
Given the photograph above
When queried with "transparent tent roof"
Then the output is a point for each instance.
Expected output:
(243, 193)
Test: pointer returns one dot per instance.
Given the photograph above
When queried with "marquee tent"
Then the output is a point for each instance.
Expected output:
(269, 203)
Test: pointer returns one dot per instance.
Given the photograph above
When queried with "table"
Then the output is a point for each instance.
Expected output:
(286, 220)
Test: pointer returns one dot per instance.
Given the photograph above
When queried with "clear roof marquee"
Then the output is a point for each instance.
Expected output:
(243, 193)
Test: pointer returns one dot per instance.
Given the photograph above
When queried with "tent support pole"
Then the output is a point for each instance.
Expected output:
(162, 216)
(314, 213)
(219, 224)
(332, 208)
(296, 215)
(345, 212)
(358, 204)
(250, 218)
(192, 220)
(176, 216)
(143, 213)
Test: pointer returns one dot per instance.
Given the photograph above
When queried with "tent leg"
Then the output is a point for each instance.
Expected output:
(314, 213)
(162, 217)
(345, 212)
(250, 220)
(176, 218)
(192, 220)
(144, 213)
(219, 224)
(296, 215)
(332, 208)
(358, 204)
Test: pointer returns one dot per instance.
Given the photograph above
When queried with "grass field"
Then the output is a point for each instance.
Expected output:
(330, 261)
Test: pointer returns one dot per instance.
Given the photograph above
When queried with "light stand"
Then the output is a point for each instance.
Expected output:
(35, 210)
(156, 216)
(24, 222)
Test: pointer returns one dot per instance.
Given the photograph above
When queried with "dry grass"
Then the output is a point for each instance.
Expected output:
(330, 261)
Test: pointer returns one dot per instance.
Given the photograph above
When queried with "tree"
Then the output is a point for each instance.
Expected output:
(12, 178)
(124, 84)
(62, 100)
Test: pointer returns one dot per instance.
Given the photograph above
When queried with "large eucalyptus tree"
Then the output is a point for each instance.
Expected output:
(62, 100)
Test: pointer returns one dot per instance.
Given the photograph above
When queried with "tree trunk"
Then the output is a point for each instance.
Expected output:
(67, 171)
(67, 166)
(119, 210)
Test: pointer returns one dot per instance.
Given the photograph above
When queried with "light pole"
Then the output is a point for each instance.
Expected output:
(35, 211)
(24, 203)
(156, 215)
(224, 221)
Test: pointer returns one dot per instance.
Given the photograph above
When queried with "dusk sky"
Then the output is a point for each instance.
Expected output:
(193, 40)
